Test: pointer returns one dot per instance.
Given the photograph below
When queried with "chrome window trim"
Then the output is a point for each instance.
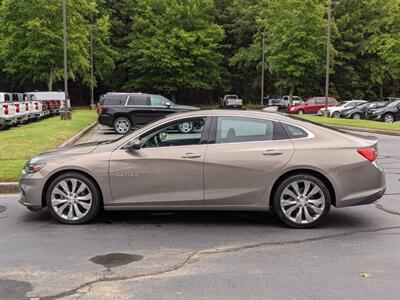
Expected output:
(176, 119)
(310, 134)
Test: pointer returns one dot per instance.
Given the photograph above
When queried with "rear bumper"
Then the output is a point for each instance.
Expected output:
(106, 120)
(363, 200)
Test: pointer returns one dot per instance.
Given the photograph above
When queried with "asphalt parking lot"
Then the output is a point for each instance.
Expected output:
(205, 255)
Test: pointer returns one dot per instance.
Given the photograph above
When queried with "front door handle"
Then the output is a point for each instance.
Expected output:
(273, 152)
(190, 155)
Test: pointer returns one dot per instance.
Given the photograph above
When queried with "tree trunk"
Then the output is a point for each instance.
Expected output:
(381, 91)
(291, 95)
(50, 81)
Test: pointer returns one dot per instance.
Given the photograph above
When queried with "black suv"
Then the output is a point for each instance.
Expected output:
(123, 111)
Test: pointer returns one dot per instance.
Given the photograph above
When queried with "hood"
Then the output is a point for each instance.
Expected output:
(71, 150)
(186, 107)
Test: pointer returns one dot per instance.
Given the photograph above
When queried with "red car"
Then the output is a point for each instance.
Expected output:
(311, 106)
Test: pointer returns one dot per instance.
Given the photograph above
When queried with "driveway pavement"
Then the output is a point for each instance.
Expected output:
(355, 254)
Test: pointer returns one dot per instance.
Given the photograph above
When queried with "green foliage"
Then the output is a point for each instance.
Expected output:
(173, 45)
(295, 40)
(32, 40)
(200, 49)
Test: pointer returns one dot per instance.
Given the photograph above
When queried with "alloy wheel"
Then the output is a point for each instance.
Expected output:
(356, 116)
(389, 119)
(71, 199)
(300, 112)
(186, 127)
(302, 201)
(122, 126)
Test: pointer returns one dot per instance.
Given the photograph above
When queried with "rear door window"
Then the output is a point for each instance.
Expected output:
(138, 100)
(243, 129)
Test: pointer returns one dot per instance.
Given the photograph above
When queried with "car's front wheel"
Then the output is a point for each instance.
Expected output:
(356, 116)
(122, 125)
(301, 201)
(336, 115)
(72, 198)
(300, 112)
(389, 118)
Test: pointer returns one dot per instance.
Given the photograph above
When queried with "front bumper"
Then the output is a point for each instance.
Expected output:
(9, 120)
(31, 187)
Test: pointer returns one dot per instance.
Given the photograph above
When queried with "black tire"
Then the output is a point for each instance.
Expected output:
(356, 116)
(300, 112)
(122, 125)
(284, 184)
(389, 118)
(96, 198)
(336, 114)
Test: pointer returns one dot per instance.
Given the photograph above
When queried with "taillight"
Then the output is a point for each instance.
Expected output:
(36, 106)
(17, 107)
(369, 153)
(5, 109)
(100, 108)
(27, 106)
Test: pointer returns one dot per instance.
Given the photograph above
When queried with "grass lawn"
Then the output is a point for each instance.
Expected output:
(353, 123)
(17, 145)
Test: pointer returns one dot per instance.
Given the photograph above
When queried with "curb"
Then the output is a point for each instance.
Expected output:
(378, 131)
(9, 188)
(78, 136)
(12, 187)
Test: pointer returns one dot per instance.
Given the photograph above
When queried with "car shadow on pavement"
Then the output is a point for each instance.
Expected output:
(338, 219)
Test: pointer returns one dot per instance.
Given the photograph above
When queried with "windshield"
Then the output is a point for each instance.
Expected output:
(393, 104)
(231, 97)
(341, 104)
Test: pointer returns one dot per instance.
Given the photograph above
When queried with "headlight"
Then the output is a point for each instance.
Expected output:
(33, 168)
(292, 108)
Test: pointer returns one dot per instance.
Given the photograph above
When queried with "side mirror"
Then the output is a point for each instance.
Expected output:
(168, 104)
(134, 145)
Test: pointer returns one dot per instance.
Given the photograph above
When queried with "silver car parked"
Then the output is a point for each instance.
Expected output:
(235, 160)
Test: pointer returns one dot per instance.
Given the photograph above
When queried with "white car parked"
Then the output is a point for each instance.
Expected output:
(8, 115)
(335, 111)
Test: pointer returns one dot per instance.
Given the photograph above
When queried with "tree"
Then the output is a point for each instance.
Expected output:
(173, 45)
(295, 40)
(32, 45)
(384, 41)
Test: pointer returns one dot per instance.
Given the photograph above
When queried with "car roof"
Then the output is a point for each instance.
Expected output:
(234, 113)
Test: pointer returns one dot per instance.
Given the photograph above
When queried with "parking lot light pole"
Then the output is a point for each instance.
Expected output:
(328, 54)
(92, 105)
(65, 114)
(262, 71)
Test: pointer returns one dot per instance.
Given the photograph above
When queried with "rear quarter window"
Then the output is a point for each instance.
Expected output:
(115, 100)
(295, 132)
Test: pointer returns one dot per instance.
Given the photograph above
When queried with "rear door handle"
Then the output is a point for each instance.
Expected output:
(273, 152)
(190, 155)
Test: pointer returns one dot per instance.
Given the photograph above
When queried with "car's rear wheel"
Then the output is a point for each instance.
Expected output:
(72, 198)
(122, 125)
(389, 118)
(186, 127)
(356, 116)
(301, 201)
(300, 112)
